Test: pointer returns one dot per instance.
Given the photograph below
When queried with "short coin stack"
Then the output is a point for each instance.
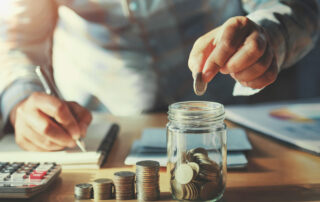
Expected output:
(196, 179)
(83, 191)
(124, 184)
(147, 180)
(102, 188)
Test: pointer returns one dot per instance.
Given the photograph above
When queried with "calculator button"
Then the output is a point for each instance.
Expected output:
(17, 164)
(3, 164)
(32, 165)
(3, 176)
(18, 176)
(34, 176)
(39, 172)
(7, 171)
(43, 167)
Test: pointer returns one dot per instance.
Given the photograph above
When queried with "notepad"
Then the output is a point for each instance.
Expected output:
(153, 146)
(99, 139)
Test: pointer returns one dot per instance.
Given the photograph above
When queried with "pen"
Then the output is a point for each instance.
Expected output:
(51, 89)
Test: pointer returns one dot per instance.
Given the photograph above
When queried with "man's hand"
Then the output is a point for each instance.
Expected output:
(45, 123)
(240, 48)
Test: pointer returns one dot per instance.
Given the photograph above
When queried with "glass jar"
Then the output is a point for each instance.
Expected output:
(197, 150)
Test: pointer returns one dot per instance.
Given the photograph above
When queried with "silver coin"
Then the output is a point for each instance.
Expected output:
(124, 174)
(199, 86)
(148, 163)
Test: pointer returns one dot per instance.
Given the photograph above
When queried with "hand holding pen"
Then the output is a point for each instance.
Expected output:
(44, 122)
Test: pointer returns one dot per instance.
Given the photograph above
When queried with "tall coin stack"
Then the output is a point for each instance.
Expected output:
(102, 189)
(83, 191)
(147, 180)
(124, 184)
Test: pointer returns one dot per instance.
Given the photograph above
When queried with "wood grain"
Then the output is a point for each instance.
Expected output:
(276, 172)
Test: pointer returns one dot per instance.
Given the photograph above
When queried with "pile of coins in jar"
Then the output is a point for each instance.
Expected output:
(198, 178)
(122, 187)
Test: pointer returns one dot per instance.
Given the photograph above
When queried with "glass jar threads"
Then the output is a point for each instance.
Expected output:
(197, 151)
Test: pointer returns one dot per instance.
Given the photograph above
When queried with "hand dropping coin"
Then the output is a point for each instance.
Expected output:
(199, 86)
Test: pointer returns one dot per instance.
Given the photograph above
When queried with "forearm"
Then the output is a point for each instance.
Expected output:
(25, 42)
(292, 25)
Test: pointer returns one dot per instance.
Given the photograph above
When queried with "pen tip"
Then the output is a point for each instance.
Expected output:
(81, 145)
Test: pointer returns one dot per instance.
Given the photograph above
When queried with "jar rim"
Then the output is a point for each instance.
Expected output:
(196, 107)
(196, 111)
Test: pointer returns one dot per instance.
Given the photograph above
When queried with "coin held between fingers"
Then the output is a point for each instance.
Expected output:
(199, 86)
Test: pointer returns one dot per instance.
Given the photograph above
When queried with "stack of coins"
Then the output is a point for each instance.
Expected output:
(124, 184)
(102, 189)
(83, 191)
(147, 180)
(196, 179)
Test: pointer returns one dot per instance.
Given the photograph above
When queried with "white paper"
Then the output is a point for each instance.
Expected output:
(240, 90)
(70, 158)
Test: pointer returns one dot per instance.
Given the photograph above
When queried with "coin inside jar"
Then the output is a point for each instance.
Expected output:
(208, 191)
(195, 167)
(184, 174)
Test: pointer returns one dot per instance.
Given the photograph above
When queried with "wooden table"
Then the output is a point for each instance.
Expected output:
(276, 172)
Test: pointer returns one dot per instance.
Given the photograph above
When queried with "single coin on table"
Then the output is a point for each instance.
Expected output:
(199, 86)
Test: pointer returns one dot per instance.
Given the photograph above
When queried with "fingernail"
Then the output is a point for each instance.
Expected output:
(76, 132)
(207, 76)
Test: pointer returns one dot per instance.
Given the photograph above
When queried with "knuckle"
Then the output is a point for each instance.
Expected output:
(46, 128)
(259, 68)
(61, 108)
(239, 21)
(228, 45)
(234, 68)
(256, 47)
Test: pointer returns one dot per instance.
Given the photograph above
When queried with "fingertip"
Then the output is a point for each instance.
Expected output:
(224, 70)
(75, 131)
(208, 76)
(83, 128)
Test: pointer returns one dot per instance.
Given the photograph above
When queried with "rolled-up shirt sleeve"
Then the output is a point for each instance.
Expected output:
(292, 25)
(26, 28)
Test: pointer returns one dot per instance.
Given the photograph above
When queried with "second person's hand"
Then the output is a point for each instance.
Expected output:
(240, 48)
(44, 123)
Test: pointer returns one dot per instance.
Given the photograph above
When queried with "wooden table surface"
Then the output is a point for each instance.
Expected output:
(276, 172)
